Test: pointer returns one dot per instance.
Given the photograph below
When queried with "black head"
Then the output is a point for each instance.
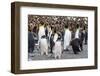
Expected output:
(43, 36)
(66, 26)
(59, 37)
(77, 26)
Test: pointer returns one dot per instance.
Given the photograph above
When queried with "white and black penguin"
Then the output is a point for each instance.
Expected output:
(57, 51)
(43, 45)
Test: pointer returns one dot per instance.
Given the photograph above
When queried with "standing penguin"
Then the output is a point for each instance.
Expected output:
(31, 41)
(41, 30)
(76, 41)
(67, 38)
(51, 43)
(57, 51)
(43, 45)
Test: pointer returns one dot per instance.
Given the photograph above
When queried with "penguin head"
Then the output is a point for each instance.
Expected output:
(43, 36)
(59, 37)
